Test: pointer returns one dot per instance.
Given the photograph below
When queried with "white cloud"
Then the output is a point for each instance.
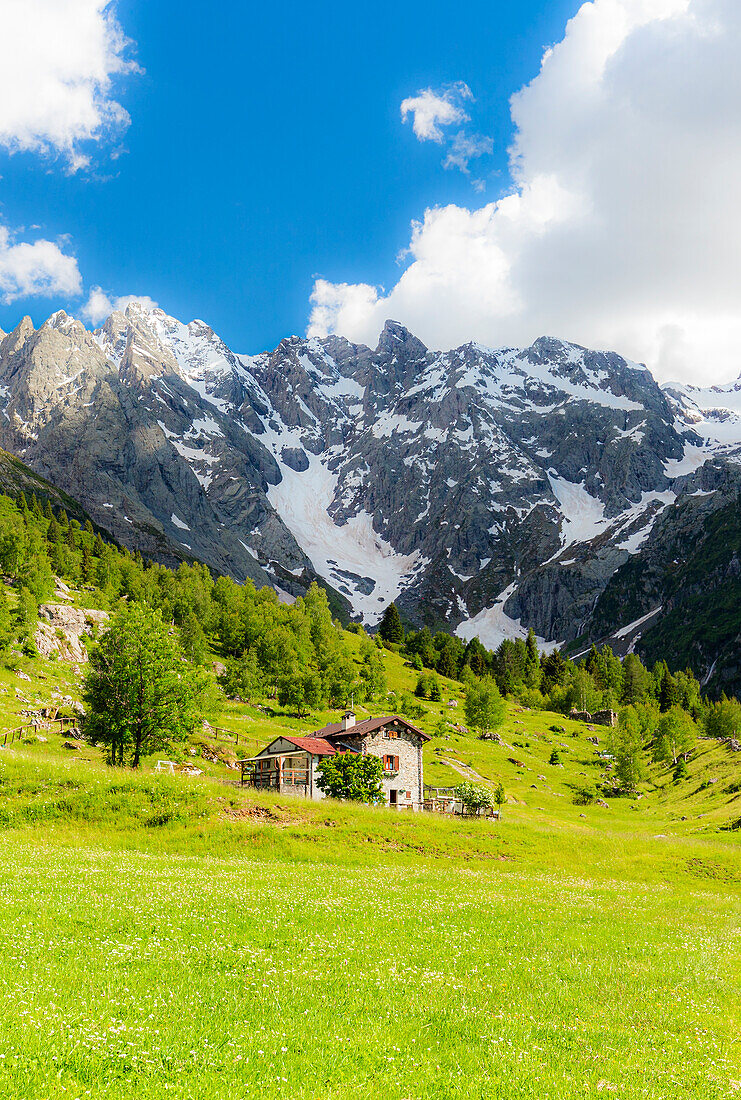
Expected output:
(58, 63)
(431, 110)
(466, 147)
(38, 269)
(100, 305)
(621, 229)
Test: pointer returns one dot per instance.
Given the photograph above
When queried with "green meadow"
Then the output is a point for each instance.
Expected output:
(170, 936)
(162, 941)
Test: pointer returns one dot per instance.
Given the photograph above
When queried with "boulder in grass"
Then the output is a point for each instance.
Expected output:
(71, 745)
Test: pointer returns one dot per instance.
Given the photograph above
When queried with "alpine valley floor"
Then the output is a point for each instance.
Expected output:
(407, 959)
(166, 936)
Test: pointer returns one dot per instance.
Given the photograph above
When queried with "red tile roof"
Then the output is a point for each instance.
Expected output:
(317, 746)
(368, 725)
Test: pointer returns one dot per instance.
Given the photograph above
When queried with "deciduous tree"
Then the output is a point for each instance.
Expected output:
(675, 736)
(140, 694)
(475, 797)
(723, 719)
(625, 743)
(352, 776)
(484, 706)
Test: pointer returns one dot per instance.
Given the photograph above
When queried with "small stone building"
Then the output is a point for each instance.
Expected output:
(599, 717)
(289, 764)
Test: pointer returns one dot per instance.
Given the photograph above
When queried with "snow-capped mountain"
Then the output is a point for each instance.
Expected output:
(484, 490)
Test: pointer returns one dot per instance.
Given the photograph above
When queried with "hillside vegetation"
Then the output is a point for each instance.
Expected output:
(178, 936)
(291, 667)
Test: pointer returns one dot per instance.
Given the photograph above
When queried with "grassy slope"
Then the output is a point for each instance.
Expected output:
(173, 937)
(161, 939)
(536, 790)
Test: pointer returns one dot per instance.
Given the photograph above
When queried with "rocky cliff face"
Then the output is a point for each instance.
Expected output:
(484, 490)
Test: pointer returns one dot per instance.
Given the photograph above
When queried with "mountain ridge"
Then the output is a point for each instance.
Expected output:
(484, 490)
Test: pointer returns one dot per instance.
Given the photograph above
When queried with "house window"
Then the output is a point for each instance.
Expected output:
(409, 794)
(391, 763)
(390, 733)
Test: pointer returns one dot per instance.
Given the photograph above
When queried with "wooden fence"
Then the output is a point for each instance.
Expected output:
(226, 735)
(17, 734)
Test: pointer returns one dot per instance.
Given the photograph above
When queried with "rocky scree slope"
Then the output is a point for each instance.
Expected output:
(484, 490)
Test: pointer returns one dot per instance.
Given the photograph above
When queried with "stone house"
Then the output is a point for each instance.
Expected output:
(599, 717)
(289, 764)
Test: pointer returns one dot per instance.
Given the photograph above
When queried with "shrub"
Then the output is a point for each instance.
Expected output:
(583, 796)
(475, 797)
(351, 776)
(680, 771)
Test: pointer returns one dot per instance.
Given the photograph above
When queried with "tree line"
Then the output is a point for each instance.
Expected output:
(660, 713)
(300, 656)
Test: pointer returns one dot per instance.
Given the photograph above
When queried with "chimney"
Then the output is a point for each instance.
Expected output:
(348, 720)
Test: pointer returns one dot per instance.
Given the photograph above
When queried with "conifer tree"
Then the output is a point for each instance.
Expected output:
(533, 673)
(635, 680)
(391, 629)
(446, 663)
(668, 692)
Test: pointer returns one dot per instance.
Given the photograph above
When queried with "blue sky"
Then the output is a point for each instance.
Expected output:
(249, 165)
(266, 147)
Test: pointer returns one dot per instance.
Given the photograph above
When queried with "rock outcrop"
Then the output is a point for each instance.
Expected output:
(61, 630)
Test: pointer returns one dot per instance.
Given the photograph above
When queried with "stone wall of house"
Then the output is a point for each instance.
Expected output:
(296, 788)
(408, 747)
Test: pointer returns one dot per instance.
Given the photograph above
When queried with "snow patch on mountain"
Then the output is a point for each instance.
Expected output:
(712, 412)
(351, 557)
(583, 515)
(492, 625)
(691, 460)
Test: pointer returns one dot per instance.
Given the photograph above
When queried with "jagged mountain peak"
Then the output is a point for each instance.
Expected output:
(485, 490)
(551, 349)
(395, 339)
(18, 336)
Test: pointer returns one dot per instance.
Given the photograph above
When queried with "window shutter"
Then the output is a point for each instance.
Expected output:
(396, 763)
